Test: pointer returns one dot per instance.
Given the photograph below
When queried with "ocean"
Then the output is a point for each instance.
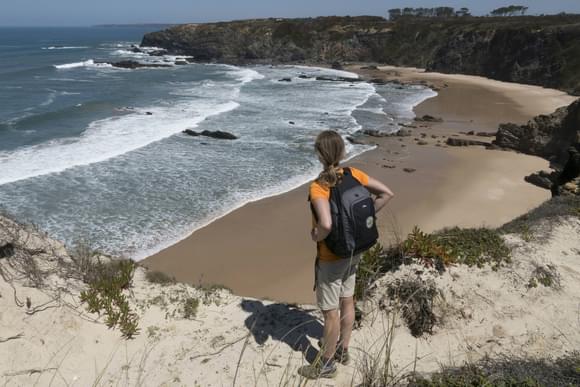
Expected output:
(96, 153)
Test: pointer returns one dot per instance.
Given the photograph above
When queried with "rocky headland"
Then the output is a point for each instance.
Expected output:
(555, 137)
(541, 50)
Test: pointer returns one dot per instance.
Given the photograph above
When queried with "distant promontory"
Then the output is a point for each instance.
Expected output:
(538, 50)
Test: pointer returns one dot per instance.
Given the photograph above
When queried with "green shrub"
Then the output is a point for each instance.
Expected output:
(158, 277)
(547, 276)
(427, 249)
(474, 246)
(105, 295)
(369, 270)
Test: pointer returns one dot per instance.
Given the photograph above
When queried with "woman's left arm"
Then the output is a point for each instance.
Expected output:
(382, 192)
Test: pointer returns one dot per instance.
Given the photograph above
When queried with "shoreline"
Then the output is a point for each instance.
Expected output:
(290, 185)
(268, 238)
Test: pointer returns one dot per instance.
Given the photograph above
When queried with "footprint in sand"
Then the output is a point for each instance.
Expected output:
(495, 193)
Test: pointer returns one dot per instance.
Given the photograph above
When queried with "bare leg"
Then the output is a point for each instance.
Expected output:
(346, 320)
(331, 331)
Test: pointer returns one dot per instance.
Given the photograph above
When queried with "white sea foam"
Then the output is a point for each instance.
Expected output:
(50, 99)
(86, 63)
(329, 72)
(65, 47)
(244, 74)
(105, 139)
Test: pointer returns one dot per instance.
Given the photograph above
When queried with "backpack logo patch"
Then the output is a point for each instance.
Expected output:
(370, 222)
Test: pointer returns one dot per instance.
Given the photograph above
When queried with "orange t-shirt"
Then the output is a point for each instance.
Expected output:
(318, 191)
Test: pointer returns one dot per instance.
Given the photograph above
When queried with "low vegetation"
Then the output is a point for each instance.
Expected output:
(546, 275)
(158, 277)
(190, 306)
(506, 372)
(105, 296)
(543, 217)
(474, 246)
(414, 297)
(454, 246)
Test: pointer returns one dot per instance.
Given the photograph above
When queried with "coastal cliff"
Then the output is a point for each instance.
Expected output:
(555, 137)
(535, 50)
(547, 136)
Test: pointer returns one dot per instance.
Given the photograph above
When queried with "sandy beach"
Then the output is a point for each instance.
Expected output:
(263, 249)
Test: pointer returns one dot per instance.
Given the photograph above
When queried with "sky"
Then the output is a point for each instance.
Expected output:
(87, 12)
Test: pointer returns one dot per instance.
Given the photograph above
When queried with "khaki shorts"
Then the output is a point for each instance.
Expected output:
(335, 280)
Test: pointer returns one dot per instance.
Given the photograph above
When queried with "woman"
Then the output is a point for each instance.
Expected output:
(335, 276)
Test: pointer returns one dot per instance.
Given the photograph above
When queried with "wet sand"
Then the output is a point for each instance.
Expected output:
(264, 249)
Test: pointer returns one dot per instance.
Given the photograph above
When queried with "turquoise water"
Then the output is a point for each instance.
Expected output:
(94, 152)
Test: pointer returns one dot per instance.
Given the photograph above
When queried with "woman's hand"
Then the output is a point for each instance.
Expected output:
(314, 234)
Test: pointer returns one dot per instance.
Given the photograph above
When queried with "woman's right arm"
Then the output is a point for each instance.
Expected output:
(324, 220)
(382, 192)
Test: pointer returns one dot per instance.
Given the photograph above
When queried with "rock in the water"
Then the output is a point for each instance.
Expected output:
(353, 140)
(372, 67)
(378, 81)
(464, 142)
(338, 79)
(132, 64)
(337, 66)
(421, 142)
(213, 134)
(285, 80)
(409, 170)
(149, 113)
(291, 122)
(375, 133)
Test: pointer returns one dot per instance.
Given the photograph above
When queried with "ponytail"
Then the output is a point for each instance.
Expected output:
(330, 149)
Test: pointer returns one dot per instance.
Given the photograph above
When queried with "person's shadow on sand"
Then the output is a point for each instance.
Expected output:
(289, 324)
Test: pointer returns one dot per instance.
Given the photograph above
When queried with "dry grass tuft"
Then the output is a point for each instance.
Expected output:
(415, 298)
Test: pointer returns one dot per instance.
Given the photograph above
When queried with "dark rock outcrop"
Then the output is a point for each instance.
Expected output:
(213, 134)
(375, 133)
(568, 181)
(428, 118)
(338, 79)
(354, 140)
(542, 179)
(555, 137)
(131, 64)
(547, 136)
(464, 142)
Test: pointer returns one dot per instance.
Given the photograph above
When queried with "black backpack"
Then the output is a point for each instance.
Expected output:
(352, 211)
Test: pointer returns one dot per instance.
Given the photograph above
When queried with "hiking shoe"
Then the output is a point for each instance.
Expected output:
(341, 355)
(317, 371)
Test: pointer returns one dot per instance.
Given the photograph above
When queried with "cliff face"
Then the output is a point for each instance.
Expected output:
(536, 50)
(547, 136)
(555, 137)
(275, 40)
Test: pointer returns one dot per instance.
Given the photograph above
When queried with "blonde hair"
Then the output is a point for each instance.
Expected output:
(329, 147)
